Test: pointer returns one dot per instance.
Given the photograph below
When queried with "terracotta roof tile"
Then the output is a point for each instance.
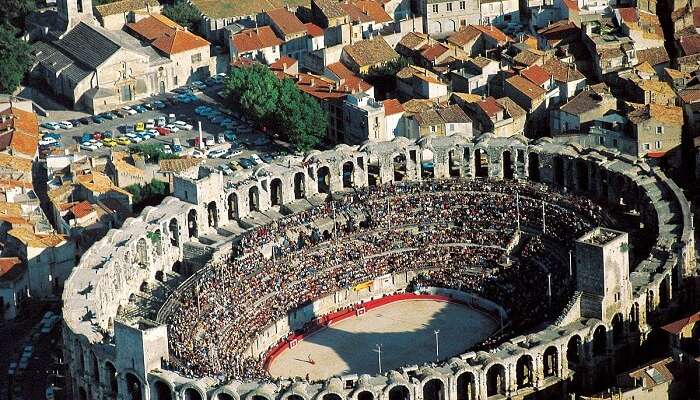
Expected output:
(286, 21)
(432, 52)
(526, 87)
(166, 35)
(374, 10)
(11, 268)
(628, 14)
(178, 165)
(371, 52)
(82, 209)
(676, 327)
(561, 71)
(413, 40)
(490, 106)
(654, 56)
(658, 112)
(513, 109)
(690, 44)
(120, 7)
(40, 240)
(283, 63)
(340, 70)
(536, 75)
(494, 33)
(464, 36)
(24, 127)
(392, 106)
(313, 30)
(255, 39)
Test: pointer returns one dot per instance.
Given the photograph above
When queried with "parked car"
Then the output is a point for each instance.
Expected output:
(107, 115)
(161, 121)
(84, 120)
(183, 125)
(109, 142)
(159, 105)
(108, 134)
(51, 125)
(163, 131)
(85, 138)
(226, 169)
(232, 152)
(172, 127)
(140, 126)
(97, 135)
(230, 136)
(171, 118)
(199, 85)
(245, 163)
(65, 125)
(217, 153)
(74, 122)
(150, 124)
(139, 108)
(129, 110)
(56, 136)
(198, 154)
(123, 140)
(47, 141)
(128, 129)
(97, 119)
(88, 146)
(256, 159)
(267, 158)
(148, 106)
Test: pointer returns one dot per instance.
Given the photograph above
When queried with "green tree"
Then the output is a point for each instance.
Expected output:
(135, 191)
(184, 14)
(300, 117)
(151, 152)
(15, 56)
(14, 12)
(255, 89)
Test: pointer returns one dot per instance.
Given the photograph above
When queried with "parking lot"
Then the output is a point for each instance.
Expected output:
(242, 135)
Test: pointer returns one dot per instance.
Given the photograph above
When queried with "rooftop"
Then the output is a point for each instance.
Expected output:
(526, 87)
(286, 21)
(239, 8)
(123, 6)
(166, 35)
(255, 39)
(371, 52)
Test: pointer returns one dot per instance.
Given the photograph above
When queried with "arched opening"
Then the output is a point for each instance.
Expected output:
(434, 389)
(398, 392)
(192, 223)
(323, 179)
(533, 167)
(466, 159)
(331, 396)
(599, 341)
(365, 395)
(224, 396)
(133, 387)
(618, 328)
(294, 397)
(112, 377)
(156, 239)
(582, 175)
(142, 252)
(427, 165)
(558, 171)
(663, 293)
(348, 178)
(212, 214)
(481, 163)
(551, 362)
(174, 229)
(634, 318)
(299, 185)
(95, 368)
(82, 394)
(496, 380)
(453, 164)
(399, 162)
(523, 371)
(254, 198)
(276, 192)
(232, 202)
(191, 394)
(161, 391)
(258, 397)
(573, 352)
(466, 386)
(507, 161)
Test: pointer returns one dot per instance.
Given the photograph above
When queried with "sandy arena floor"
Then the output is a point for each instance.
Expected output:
(405, 331)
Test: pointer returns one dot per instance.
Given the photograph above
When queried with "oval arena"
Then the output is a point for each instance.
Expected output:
(192, 299)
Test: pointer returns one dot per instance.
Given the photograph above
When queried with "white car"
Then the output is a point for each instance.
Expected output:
(150, 124)
(129, 110)
(161, 122)
(47, 141)
(198, 154)
(172, 127)
(167, 149)
(256, 159)
(88, 146)
(65, 124)
(216, 153)
(232, 153)
(225, 169)
(183, 125)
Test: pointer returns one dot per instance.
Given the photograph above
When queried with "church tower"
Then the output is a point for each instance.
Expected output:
(72, 12)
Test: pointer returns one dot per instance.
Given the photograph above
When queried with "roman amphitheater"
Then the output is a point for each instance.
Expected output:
(570, 253)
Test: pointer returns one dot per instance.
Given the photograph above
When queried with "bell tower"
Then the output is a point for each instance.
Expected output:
(72, 12)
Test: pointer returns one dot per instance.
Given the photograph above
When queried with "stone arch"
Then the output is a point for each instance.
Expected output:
(550, 362)
(192, 393)
(323, 179)
(573, 349)
(142, 251)
(161, 390)
(331, 396)
(466, 386)
(650, 300)
(398, 392)
(174, 229)
(434, 389)
(134, 388)
(259, 397)
(481, 163)
(254, 198)
(294, 396)
(618, 328)
(634, 318)
(663, 292)
(112, 377)
(582, 180)
(453, 166)
(427, 165)
(399, 164)
(82, 394)
(558, 174)
(365, 395)
(223, 396)
(348, 172)
(158, 241)
(523, 371)
(192, 223)
(212, 214)
(600, 341)
(232, 202)
(533, 167)
(95, 367)
(507, 165)
(299, 185)
(276, 197)
(496, 380)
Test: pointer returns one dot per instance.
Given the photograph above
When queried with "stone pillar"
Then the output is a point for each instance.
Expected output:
(441, 164)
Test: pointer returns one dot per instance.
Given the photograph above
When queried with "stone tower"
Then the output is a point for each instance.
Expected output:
(602, 273)
(72, 12)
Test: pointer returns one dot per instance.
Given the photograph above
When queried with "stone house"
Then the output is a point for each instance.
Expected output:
(502, 117)
(114, 16)
(530, 97)
(416, 82)
(566, 76)
(14, 288)
(439, 121)
(259, 44)
(442, 17)
(656, 130)
(578, 114)
(478, 40)
(361, 56)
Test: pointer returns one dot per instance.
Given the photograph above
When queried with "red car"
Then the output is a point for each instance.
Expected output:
(97, 136)
(163, 131)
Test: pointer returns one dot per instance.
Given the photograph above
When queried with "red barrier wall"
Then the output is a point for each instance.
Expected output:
(322, 322)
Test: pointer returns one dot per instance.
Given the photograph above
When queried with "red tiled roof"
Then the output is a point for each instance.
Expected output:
(392, 106)
(166, 35)
(356, 14)
(464, 36)
(313, 30)
(490, 106)
(696, 17)
(536, 74)
(340, 70)
(255, 39)
(677, 326)
(493, 32)
(82, 209)
(628, 14)
(690, 44)
(10, 268)
(25, 131)
(572, 5)
(526, 87)
(286, 21)
(374, 10)
(431, 53)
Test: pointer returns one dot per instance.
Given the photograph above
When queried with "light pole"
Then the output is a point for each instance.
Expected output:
(549, 287)
(378, 350)
(437, 345)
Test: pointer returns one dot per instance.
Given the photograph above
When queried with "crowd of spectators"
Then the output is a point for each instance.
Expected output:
(458, 234)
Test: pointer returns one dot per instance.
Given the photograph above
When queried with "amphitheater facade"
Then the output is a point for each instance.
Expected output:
(111, 350)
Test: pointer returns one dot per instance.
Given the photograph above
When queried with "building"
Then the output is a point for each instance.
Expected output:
(114, 16)
(19, 132)
(259, 44)
(656, 129)
(360, 57)
(439, 121)
(502, 117)
(290, 30)
(478, 40)
(442, 17)
(500, 13)
(578, 114)
(530, 97)
(475, 76)
(365, 119)
(416, 82)
(567, 77)
(14, 288)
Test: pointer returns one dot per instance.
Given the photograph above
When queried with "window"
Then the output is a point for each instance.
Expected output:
(659, 130)
(175, 80)
(601, 140)
(615, 142)
(449, 6)
(196, 58)
(645, 146)
(435, 8)
(452, 127)
(462, 5)
(658, 144)
(433, 129)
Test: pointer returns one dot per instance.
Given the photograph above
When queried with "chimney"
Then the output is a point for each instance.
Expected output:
(313, 82)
